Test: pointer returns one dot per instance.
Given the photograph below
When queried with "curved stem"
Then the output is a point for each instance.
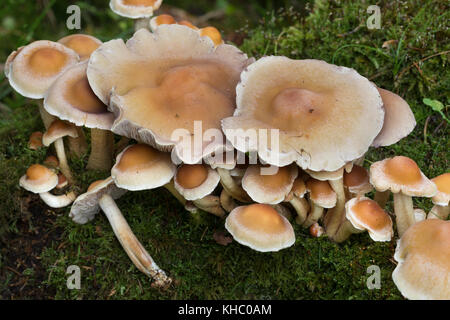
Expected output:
(314, 216)
(336, 215)
(57, 201)
(301, 206)
(210, 204)
(46, 117)
(141, 23)
(63, 164)
(382, 198)
(404, 212)
(171, 188)
(134, 249)
(227, 201)
(233, 189)
(439, 212)
(102, 144)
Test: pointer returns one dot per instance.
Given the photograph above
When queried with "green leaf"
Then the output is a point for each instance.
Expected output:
(434, 104)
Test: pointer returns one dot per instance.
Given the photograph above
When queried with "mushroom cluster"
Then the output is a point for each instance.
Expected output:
(261, 144)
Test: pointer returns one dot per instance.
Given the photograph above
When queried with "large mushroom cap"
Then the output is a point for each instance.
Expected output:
(135, 9)
(141, 167)
(321, 193)
(442, 183)
(86, 206)
(58, 129)
(39, 179)
(137, 80)
(71, 98)
(326, 115)
(32, 69)
(401, 174)
(366, 214)
(82, 44)
(195, 181)
(271, 188)
(423, 255)
(399, 119)
(260, 227)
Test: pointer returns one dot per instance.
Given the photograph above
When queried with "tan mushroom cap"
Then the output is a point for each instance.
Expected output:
(260, 227)
(299, 188)
(357, 180)
(442, 183)
(82, 44)
(321, 193)
(51, 161)
(58, 129)
(195, 181)
(326, 115)
(423, 255)
(137, 79)
(366, 214)
(155, 22)
(71, 98)
(135, 9)
(39, 179)
(189, 24)
(86, 206)
(35, 141)
(401, 174)
(33, 68)
(141, 167)
(399, 119)
(269, 188)
(213, 34)
(326, 175)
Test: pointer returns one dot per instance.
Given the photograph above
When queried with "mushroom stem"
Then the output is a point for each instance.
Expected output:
(404, 212)
(78, 146)
(227, 201)
(63, 164)
(122, 144)
(345, 230)
(233, 189)
(301, 206)
(171, 188)
(102, 144)
(57, 201)
(285, 212)
(46, 117)
(210, 204)
(336, 215)
(382, 198)
(137, 253)
(141, 23)
(314, 216)
(439, 212)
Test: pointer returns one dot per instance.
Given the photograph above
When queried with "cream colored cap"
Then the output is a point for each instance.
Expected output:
(135, 9)
(58, 129)
(39, 179)
(321, 193)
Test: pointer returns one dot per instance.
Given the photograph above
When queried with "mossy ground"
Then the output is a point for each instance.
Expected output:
(38, 243)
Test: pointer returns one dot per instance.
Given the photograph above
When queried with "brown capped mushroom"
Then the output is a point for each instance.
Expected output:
(82, 44)
(140, 10)
(35, 141)
(321, 196)
(441, 210)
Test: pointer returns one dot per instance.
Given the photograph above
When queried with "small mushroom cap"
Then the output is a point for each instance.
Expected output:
(135, 9)
(35, 141)
(33, 68)
(141, 167)
(62, 181)
(213, 34)
(399, 120)
(188, 24)
(269, 187)
(136, 80)
(71, 98)
(419, 214)
(321, 193)
(86, 206)
(260, 227)
(39, 179)
(82, 44)
(59, 129)
(357, 180)
(366, 214)
(326, 115)
(195, 181)
(423, 255)
(298, 188)
(401, 174)
(326, 175)
(442, 183)
(155, 22)
(51, 161)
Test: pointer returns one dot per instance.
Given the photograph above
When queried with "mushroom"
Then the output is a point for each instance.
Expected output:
(51, 162)
(325, 115)
(136, 81)
(101, 195)
(71, 98)
(423, 256)
(140, 10)
(55, 133)
(403, 178)
(260, 227)
(321, 196)
(357, 181)
(35, 141)
(316, 231)
(365, 214)
(41, 180)
(195, 183)
(296, 197)
(441, 210)
(419, 214)
(32, 69)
